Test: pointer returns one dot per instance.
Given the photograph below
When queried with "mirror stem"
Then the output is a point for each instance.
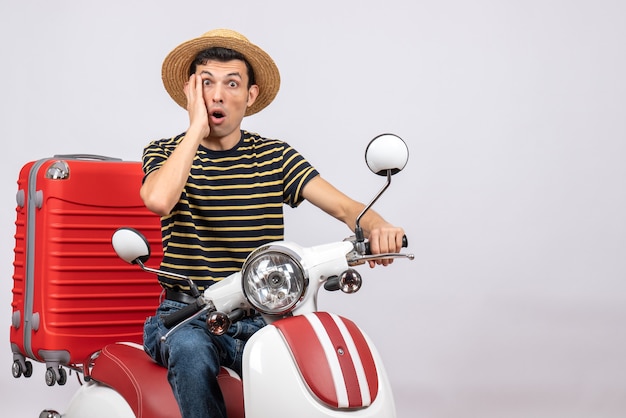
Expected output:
(358, 231)
(195, 292)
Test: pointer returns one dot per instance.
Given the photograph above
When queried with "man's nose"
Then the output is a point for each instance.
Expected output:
(217, 94)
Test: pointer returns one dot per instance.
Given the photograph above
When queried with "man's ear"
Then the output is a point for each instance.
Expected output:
(253, 93)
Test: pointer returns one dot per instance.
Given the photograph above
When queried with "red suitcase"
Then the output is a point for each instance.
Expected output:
(71, 294)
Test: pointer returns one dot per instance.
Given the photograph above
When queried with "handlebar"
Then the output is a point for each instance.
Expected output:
(184, 313)
(368, 250)
(355, 258)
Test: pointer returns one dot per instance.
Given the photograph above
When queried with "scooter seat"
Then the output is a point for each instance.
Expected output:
(131, 372)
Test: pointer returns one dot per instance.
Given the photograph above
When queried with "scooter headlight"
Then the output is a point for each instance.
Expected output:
(273, 280)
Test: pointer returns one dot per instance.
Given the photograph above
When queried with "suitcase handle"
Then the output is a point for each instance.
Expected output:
(86, 157)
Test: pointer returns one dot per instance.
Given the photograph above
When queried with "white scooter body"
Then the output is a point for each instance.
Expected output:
(93, 399)
(274, 383)
(275, 386)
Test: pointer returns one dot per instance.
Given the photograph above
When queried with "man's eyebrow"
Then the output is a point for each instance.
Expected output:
(233, 74)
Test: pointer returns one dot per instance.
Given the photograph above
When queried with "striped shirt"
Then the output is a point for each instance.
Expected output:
(231, 204)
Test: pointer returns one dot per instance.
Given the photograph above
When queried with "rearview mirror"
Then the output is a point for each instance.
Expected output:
(386, 153)
(131, 246)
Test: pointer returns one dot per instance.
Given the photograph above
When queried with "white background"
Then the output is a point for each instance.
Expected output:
(514, 199)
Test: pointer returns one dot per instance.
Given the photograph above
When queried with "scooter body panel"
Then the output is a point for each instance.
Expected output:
(95, 400)
(275, 385)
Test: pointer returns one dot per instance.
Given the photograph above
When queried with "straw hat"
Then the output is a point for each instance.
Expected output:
(175, 70)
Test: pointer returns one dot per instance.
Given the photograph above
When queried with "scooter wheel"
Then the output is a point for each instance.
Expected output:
(51, 377)
(62, 376)
(29, 369)
(16, 369)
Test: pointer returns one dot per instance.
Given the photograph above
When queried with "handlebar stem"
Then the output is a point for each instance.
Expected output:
(360, 238)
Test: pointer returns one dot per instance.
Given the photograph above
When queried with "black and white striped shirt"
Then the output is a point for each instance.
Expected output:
(232, 203)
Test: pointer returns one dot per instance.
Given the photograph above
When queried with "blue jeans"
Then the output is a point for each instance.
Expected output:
(193, 357)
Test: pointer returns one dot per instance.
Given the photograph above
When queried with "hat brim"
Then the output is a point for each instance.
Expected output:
(175, 70)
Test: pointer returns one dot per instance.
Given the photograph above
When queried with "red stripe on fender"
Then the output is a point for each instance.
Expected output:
(333, 357)
(365, 355)
(310, 357)
(345, 360)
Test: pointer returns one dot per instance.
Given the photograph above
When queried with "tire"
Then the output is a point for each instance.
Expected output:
(16, 369)
(51, 377)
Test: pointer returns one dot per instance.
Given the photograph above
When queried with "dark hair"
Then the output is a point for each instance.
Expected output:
(220, 54)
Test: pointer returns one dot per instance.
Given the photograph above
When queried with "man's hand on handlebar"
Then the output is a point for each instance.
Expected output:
(385, 239)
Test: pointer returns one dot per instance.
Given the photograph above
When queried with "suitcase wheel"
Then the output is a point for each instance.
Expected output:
(17, 370)
(56, 375)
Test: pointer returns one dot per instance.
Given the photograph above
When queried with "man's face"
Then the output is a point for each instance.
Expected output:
(226, 95)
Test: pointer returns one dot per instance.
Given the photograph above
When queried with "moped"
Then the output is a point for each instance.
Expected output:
(304, 363)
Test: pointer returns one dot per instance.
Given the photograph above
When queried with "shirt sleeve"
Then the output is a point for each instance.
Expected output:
(297, 172)
(156, 152)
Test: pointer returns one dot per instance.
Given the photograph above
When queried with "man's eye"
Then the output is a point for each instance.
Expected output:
(206, 82)
(233, 84)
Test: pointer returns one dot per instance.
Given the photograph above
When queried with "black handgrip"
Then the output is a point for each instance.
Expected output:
(236, 314)
(182, 314)
(368, 250)
(332, 284)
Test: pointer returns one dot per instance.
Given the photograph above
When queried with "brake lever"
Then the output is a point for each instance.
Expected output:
(356, 259)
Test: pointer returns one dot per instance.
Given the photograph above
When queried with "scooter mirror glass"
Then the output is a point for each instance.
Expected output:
(130, 245)
(386, 152)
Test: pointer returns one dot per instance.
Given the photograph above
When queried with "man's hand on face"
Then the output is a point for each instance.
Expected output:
(196, 106)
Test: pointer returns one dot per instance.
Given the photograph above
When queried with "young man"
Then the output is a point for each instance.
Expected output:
(220, 192)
